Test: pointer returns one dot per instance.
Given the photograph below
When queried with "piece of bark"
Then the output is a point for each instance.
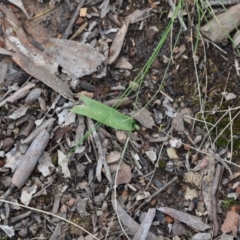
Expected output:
(75, 15)
(236, 40)
(130, 225)
(101, 154)
(20, 93)
(29, 160)
(191, 221)
(144, 227)
(220, 26)
(33, 134)
(231, 223)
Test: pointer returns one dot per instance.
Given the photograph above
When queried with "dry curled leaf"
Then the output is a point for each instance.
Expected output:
(231, 223)
(19, 4)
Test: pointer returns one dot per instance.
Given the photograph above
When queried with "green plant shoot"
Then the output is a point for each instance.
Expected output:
(105, 115)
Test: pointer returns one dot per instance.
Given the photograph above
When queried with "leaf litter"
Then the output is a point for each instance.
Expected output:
(79, 168)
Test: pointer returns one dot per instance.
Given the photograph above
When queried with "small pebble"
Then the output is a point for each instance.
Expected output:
(71, 202)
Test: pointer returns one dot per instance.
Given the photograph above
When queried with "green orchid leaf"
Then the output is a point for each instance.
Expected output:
(104, 114)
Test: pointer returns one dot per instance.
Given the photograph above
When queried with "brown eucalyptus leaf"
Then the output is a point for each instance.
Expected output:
(117, 43)
(124, 175)
(231, 223)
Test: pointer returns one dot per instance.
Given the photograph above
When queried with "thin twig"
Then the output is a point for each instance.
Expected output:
(68, 30)
(51, 214)
(101, 154)
(115, 185)
(173, 7)
(156, 193)
(219, 159)
(214, 198)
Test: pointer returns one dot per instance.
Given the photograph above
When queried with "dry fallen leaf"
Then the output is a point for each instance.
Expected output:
(30, 59)
(18, 113)
(117, 43)
(228, 96)
(143, 229)
(19, 4)
(45, 165)
(124, 174)
(231, 223)
(144, 117)
(27, 193)
(9, 230)
(63, 162)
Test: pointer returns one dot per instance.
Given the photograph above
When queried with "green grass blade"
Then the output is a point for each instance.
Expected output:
(104, 114)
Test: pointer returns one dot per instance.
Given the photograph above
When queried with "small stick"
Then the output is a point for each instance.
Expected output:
(70, 6)
(173, 7)
(101, 154)
(156, 193)
(214, 199)
(20, 217)
(28, 162)
(68, 30)
(219, 159)
(79, 31)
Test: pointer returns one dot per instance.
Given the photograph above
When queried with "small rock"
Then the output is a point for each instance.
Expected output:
(63, 208)
(99, 199)
(79, 21)
(168, 219)
(71, 202)
(80, 170)
(151, 33)
(132, 52)
(7, 144)
(121, 136)
(123, 63)
(23, 232)
(158, 116)
(178, 229)
(151, 155)
(113, 157)
(33, 95)
(200, 236)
